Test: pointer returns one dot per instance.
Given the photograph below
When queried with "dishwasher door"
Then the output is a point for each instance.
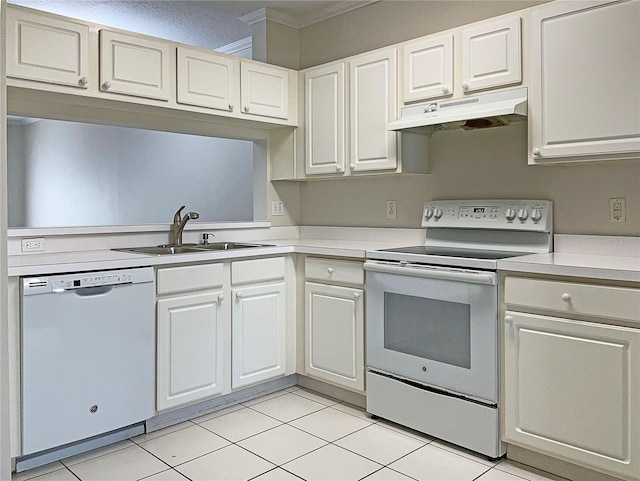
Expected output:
(88, 355)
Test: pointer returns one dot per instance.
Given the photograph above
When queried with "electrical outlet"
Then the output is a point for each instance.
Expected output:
(391, 209)
(617, 209)
(32, 245)
(277, 207)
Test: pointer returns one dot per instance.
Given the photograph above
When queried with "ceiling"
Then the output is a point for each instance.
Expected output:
(208, 24)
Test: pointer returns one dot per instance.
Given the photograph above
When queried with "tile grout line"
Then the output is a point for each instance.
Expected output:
(138, 443)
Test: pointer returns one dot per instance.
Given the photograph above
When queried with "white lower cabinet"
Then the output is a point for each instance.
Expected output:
(334, 322)
(258, 321)
(572, 387)
(190, 339)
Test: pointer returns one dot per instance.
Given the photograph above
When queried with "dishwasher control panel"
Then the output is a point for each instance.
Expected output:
(91, 281)
(80, 280)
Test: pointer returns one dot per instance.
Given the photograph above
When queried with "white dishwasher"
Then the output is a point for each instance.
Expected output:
(88, 355)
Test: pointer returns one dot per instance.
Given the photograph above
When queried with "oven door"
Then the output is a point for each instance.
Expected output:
(434, 325)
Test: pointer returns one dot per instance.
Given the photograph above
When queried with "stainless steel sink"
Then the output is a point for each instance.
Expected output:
(162, 250)
(168, 249)
(223, 246)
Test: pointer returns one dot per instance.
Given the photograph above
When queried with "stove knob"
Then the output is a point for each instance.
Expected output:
(428, 213)
(536, 215)
(510, 214)
(523, 214)
(437, 213)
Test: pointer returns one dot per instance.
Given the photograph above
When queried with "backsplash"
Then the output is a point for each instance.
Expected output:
(485, 164)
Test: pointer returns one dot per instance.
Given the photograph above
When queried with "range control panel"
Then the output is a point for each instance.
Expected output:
(528, 215)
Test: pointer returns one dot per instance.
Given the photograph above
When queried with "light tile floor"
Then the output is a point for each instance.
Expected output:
(289, 435)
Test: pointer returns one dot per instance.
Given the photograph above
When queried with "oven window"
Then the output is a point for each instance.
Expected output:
(428, 328)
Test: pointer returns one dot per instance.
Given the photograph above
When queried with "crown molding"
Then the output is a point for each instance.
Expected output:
(269, 14)
(231, 48)
(334, 11)
(263, 14)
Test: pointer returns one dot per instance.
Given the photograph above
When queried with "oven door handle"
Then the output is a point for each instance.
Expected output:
(430, 272)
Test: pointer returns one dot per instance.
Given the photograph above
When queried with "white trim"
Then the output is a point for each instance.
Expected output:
(237, 46)
(599, 245)
(306, 20)
(5, 426)
(333, 11)
(121, 229)
(269, 14)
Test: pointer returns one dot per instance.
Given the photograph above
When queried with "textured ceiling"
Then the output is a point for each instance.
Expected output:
(205, 23)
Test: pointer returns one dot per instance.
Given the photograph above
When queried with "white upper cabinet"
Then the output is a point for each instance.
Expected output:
(47, 49)
(325, 120)
(428, 69)
(373, 106)
(491, 55)
(207, 79)
(264, 90)
(134, 65)
(585, 95)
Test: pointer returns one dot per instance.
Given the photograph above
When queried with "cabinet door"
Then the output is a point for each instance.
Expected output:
(207, 79)
(134, 66)
(334, 334)
(325, 121)
(572, 391)
(491, 55)
(373, 106)
(584, 94)
(428, 69)
(264, 90)
(258, 331)
(190, 348)
(47, 49)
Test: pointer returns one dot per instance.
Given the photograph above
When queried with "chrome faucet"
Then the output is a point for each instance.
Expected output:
(178, 224)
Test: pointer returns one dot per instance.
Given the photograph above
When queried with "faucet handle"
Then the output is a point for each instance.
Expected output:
(177, 217)
(205, 237)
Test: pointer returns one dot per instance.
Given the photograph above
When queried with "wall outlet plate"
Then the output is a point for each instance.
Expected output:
(277, 207)
(33, 245)
(617, 209)
(392, 212)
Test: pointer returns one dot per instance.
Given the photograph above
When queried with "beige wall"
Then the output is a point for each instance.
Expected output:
(481, 164)
(489, 163)
(282, 45)
(388, 22)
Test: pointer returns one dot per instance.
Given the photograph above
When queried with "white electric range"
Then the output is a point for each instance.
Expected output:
(432, 318)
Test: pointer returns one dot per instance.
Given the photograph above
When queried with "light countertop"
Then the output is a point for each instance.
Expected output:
(586, 265)
(608, 267)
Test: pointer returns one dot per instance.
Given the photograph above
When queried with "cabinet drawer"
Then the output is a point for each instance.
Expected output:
(347, 272)
(243, 272)
(571, 298)
(189, 278)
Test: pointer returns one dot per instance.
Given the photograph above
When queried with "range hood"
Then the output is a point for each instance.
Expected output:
(470, 113)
